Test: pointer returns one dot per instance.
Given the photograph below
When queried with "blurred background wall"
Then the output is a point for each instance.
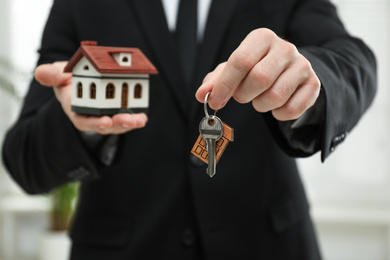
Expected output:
(22, 219)
(349, 193)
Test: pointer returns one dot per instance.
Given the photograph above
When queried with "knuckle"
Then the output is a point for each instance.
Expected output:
(242, 61)
(263, 32)
(293, 111)
(276, 97)
(262, 77)
(227, 84)
(306, 66)
(241, 98)
(316, 83)
(315, 86)
(290, 49)
(315, 89)
(259, 107)
(120, 124)
(220, 66)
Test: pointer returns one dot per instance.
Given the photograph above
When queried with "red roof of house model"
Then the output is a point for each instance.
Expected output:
(102, 60)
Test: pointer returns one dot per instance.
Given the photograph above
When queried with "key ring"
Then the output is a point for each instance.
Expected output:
(205, 107)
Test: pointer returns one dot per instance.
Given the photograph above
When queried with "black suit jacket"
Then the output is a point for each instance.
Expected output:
(156, 201)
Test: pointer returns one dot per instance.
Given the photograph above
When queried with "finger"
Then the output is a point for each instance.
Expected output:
(52, 74)
(261, 77)
(129, 121)
(123, 123)
(117, 124)
(239, 64)
(280, 92)
(209, 82)
(99, 124)
(304, 98)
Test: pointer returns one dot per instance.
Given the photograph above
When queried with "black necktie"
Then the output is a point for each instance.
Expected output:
(185, 36)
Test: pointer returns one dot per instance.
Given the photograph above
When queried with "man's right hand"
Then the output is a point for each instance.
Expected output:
(52, 75)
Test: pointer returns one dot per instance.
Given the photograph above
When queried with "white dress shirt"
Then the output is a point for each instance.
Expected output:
(171, 8)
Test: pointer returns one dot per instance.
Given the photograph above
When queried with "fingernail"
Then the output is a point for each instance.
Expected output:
(125, 126)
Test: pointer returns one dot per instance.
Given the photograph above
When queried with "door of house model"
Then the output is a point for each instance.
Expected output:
(125, 94)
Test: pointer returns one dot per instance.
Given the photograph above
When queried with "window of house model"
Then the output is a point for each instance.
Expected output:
(92, 91)
(79, 90)
(110, 91)
(138, 91)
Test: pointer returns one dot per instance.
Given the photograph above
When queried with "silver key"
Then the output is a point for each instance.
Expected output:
(211, 129)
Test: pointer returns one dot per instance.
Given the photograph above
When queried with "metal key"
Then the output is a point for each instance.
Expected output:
(211, 129)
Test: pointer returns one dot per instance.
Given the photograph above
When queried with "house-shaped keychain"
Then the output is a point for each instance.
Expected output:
(200, 147)
(109, 80)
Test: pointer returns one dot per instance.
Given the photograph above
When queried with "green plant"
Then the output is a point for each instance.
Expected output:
(63, 201)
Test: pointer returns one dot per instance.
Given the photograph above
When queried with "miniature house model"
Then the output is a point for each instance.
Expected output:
(109, 80)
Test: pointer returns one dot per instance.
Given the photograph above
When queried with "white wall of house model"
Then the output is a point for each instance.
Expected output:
(107, 91)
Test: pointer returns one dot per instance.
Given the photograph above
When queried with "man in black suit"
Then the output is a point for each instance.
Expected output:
(299, 83)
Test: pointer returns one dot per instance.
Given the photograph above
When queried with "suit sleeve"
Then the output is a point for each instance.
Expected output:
(346, 68)
(43, 149)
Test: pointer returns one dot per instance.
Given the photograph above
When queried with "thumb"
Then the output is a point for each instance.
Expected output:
(52, 74)
(207, 86)
(209, 82)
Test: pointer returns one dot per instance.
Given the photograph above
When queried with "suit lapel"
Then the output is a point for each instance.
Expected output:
(217, 24)
(219, 17)
(151, 16)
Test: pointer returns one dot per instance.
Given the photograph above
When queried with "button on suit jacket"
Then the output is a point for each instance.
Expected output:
(155, 201)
